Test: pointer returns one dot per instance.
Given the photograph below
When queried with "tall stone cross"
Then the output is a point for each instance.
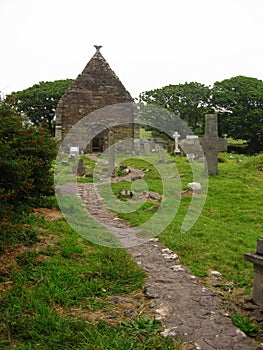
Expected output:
(212, 144)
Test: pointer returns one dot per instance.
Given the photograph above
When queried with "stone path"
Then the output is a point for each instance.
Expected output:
(126, 235)
(188, 311)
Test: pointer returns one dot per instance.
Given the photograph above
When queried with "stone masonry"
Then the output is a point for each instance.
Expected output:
(96, 87)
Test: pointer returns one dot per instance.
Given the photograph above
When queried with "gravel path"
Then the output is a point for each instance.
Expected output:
(188, 311)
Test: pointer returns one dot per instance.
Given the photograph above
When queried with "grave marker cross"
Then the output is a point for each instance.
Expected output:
(176, 137)
(212, 144)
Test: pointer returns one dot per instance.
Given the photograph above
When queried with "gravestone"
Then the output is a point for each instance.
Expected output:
(191, 137)
(147, 149)
(73, 151)
(190, 157)
(111, 154)
(257, 260)
(71, 158)
(191, 146)
(80, 168)
(212, 144)
(137, 146)
(176, 137)
(159, 151)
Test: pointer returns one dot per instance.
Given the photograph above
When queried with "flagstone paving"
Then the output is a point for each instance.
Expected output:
(187, 310)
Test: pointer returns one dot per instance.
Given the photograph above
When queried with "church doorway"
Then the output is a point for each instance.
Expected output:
(99, 142)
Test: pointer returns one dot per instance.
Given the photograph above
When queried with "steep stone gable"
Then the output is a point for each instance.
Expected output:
(99, 78)
(96, 87)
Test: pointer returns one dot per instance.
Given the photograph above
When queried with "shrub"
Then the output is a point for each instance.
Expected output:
(26, 157)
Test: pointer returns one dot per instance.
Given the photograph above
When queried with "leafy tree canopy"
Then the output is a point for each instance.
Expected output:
(39, 102)
(240, 102)
(190, 101)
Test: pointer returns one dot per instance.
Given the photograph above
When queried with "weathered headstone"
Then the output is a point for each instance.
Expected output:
(159, 151)
(80, 168)
(74, 150)
(176, 137)
(71, 158)
(191, 145)
(212, 144)
(190, 157)
(257, 259)
(137, 146)
(111, 154)
(147, 149)
(191, 137)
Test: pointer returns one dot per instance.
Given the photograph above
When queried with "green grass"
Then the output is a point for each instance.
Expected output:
(151, 182)
(59, 272)
(64, 173)
(245, 325)
(145, 134)
(89, 165)
(231, 141)
(229, 225)
(167, 179)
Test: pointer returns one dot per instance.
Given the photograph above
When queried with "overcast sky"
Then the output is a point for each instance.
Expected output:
(148, 43)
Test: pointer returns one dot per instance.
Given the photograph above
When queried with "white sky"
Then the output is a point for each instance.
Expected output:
(148, 43)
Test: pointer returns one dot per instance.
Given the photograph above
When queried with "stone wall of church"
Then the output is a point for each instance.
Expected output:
(95, 88)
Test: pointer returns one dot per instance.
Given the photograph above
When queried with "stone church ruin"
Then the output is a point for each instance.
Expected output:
(94, 89)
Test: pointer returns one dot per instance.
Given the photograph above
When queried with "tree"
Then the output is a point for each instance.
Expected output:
(27, 154)
(239, 101)
(39, 102)
(190, 101)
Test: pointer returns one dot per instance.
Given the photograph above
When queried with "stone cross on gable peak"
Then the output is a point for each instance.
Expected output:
(212, 144)
(97, 47)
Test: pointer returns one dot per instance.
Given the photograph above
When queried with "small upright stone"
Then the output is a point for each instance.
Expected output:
(71, 158)
(159, 153)
(111, 154)
(257, 259)
(260, 246)
(80, 168)
(147, 149)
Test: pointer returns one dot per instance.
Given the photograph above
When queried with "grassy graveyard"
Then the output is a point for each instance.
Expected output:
(230, 222)
(227, 228)
(59, 291)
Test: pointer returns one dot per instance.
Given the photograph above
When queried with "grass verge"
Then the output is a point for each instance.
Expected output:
(58, 291)
(230, 222)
